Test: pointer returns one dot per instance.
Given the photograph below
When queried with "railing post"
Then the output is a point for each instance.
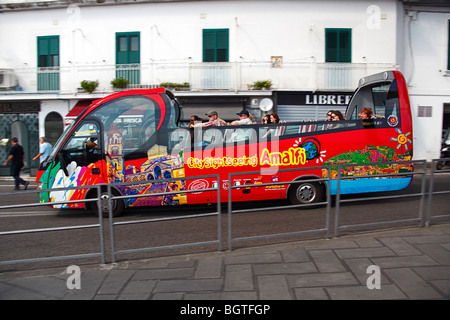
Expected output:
(430, 193)
(111, 226)
(338, 199)
(100, 222)
(423, 191)
(219, 216)
(229, 213)
(327, 223)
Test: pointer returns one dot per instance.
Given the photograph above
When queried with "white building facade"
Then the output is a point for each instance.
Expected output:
(426, 65)
(313, 53)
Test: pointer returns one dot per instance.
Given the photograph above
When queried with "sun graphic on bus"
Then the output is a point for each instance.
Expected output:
(402, 139)
(312, 149)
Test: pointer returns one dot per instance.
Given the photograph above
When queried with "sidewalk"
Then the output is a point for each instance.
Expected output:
(414, 264)
(24, 175)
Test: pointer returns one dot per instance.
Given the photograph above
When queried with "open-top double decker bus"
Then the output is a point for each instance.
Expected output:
(135, 136)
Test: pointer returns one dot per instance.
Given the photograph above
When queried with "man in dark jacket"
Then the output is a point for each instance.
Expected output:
(16, 156)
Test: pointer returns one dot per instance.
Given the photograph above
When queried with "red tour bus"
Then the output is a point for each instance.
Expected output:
(135, 136)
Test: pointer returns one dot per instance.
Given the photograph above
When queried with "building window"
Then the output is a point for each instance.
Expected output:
(48, 51)
(48, 63)
(128, 56)
(338, 45)
(215, 45)
(425, 111)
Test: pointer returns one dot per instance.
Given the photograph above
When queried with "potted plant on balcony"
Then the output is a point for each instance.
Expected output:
(89, 86)
(185, 86)
(182, 86)
(167, 85)
(119, 83)
(263, 84)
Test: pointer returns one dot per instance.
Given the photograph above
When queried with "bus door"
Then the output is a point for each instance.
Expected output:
(80, 162)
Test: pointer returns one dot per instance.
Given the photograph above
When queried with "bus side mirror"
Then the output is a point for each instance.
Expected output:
(63, 164)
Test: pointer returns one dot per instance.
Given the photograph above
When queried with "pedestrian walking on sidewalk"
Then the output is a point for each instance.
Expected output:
(16, 157)
(44, 150)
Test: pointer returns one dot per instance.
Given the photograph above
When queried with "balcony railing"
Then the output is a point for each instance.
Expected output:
(226, 76)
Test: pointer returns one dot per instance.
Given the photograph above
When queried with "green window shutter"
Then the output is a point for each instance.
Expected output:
(338, 45)
(54, 51)
(48, 51)
(209, 46)
(331, 46)
(42, 52)
(134, 49)
(345, 45)
(48, 56)
(215, 45)
(128, 48)
(222, 46)
(121, 50)
(128, 56)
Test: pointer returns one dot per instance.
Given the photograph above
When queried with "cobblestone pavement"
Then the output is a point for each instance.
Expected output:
(414, 264)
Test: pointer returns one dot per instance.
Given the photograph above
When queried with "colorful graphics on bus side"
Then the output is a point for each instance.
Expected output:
(161, 165)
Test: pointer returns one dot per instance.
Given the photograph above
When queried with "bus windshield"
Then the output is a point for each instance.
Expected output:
(381, 98)
(135, 119)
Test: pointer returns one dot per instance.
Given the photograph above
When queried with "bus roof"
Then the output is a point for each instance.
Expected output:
(127, 93)
(382, 76)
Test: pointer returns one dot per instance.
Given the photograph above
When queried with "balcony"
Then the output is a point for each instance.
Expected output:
(202, 77)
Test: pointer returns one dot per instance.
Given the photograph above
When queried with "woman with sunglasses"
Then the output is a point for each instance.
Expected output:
(329, 115)
(336, 115)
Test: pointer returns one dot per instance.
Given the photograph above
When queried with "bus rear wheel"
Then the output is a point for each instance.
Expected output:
(306, 193)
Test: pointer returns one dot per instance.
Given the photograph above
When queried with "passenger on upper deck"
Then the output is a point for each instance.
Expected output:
(274, 118)
(194, 120)
(329, 115)
(366, 116)
(244, 118)
(336, 115)
(214, 120)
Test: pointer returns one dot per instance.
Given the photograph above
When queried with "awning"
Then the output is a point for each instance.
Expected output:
(78, 108)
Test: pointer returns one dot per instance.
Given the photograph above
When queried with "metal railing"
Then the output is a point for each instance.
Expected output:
(231, 76)
(422, 219)
(99, 225)
(326, 229)
(112, 224)
(431, 191)
(421, 194)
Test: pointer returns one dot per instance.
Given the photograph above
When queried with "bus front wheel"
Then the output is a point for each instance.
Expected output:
(306, 193)
(117, 205)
